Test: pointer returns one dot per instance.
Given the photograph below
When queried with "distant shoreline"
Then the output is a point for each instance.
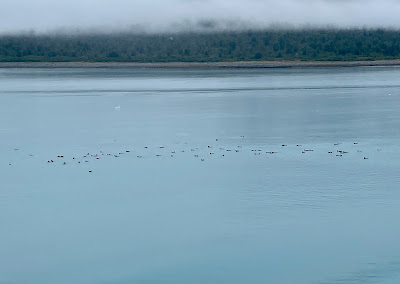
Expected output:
(201, 65)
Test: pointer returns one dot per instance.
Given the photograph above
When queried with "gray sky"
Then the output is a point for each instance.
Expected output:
(171, 15)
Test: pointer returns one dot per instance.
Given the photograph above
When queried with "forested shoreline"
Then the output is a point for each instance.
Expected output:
(271, 45)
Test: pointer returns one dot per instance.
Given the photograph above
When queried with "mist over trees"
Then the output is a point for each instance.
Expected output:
(303, 45)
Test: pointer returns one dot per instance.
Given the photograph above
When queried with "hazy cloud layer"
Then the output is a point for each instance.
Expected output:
(172, 15)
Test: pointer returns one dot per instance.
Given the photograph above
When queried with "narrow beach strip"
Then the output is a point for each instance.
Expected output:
(227, 65)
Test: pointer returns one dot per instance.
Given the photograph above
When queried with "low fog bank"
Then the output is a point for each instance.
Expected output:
(201, 27)
(172, 16)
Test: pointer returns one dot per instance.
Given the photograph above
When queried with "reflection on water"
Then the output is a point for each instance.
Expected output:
(189, 181)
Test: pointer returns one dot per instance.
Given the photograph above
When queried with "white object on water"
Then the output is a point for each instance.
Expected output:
(117, 108)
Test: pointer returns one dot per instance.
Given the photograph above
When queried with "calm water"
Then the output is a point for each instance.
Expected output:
(240, 215)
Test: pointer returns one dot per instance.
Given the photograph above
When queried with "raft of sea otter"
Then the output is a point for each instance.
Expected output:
(200, 153)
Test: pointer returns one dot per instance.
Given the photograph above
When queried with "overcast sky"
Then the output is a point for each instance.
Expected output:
(170, 15)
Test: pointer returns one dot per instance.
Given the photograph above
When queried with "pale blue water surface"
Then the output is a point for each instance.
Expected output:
(240, 215)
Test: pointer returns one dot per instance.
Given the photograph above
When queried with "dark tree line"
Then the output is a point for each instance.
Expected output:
(324, 44)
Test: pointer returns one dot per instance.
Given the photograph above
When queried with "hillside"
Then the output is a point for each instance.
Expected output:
(299, 45)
